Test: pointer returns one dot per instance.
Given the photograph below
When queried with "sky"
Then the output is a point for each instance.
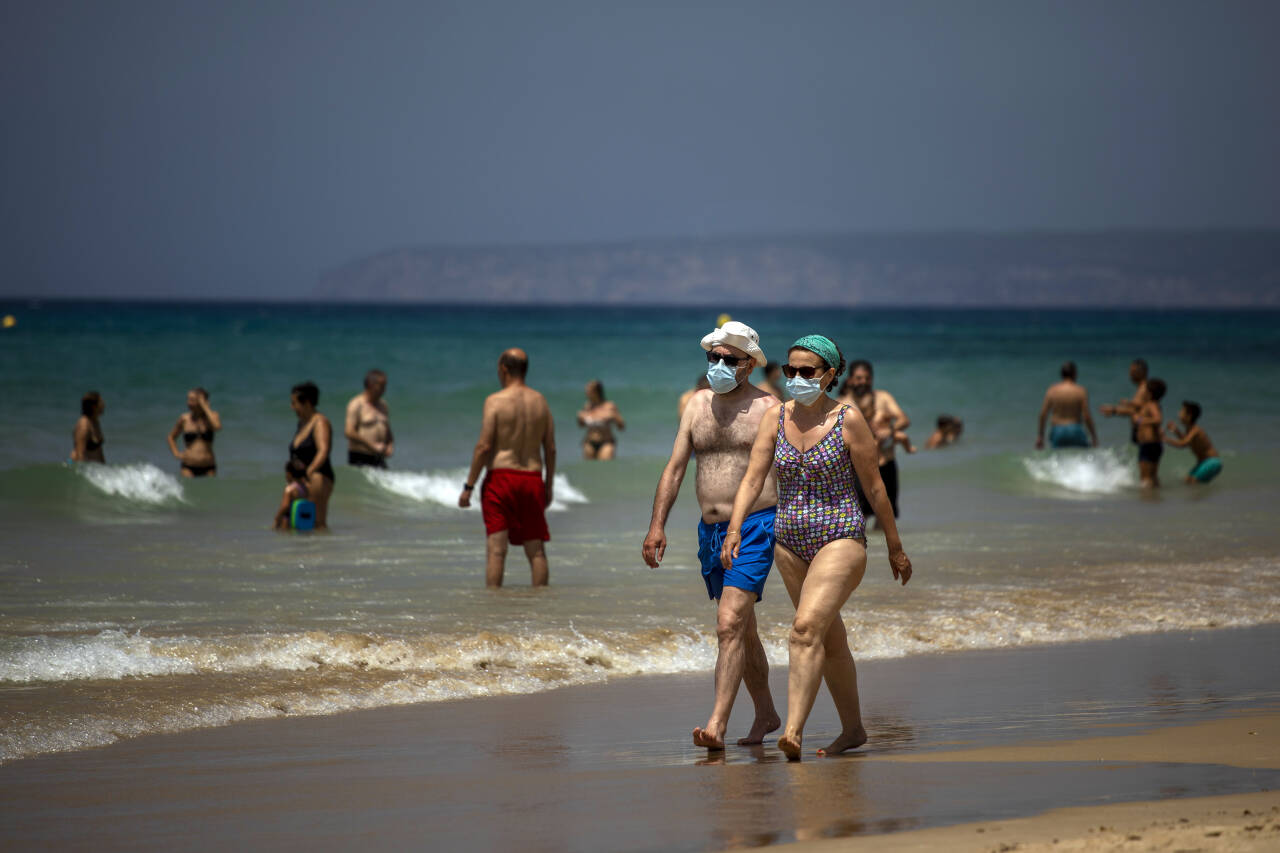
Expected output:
(239, 149)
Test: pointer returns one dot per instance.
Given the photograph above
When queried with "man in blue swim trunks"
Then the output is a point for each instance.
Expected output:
(719, 425)
(1066, 407)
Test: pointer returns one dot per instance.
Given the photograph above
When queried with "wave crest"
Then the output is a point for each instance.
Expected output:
(141, 482)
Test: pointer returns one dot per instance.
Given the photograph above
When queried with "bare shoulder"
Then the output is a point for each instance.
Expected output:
(536, 398)
(699, 402)
(354, 403)
(885, 398)
(764, 397)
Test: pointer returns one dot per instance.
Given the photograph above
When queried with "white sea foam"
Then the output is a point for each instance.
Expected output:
(1086, 472)
(141, 482)
(442, 487)
(115, 654)
(321, 672)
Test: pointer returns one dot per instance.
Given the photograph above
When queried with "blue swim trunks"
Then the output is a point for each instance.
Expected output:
(1068, 435)
(755, 554)
(1206, 469)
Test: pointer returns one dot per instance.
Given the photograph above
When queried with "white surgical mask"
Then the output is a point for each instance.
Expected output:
(804, 391)
(722, 377)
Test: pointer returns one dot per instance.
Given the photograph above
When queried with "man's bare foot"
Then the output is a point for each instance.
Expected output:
(845, 742)
(790, 746)
(761, 727)
(704, 738)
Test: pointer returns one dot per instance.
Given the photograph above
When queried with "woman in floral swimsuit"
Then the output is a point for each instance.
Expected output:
(818, 448)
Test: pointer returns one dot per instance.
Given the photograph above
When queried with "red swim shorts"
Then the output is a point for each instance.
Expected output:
(512, 500)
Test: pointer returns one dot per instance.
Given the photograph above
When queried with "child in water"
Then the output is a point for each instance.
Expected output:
(295, 475)
(1192, 435)
(1146, 422)
(948, 430)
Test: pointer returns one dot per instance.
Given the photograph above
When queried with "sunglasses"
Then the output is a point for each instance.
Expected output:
(803, 372)
(729, 360)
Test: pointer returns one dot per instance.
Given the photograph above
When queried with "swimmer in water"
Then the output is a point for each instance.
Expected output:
(946, 433)
(1147, 421)
(1192, 435)
(311, 444)
(599, 416)
(368, 424)
(86, 438)
(295, 489)
(196, 426)
(886, 421)
(1066, 408)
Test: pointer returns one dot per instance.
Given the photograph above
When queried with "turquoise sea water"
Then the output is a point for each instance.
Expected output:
(132, 601)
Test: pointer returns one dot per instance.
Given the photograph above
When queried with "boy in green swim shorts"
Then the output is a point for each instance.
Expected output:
(1192, 435)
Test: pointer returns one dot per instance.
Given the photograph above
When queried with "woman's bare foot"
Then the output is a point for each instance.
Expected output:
(705, 738)
(761, 727)
(845, 742)
(790, 745)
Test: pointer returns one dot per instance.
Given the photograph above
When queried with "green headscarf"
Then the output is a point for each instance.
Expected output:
(821, 347)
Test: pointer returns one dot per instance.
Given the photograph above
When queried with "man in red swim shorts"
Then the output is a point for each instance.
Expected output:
(518, 447)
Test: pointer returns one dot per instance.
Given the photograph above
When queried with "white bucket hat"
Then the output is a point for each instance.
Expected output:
(738, 335)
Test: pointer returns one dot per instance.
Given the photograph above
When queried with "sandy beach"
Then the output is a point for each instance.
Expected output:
(968, 751)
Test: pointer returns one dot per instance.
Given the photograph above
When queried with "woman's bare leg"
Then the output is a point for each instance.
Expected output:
(832, 575)
(321, 488)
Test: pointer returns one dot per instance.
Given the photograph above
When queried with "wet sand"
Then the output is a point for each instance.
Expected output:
(995, 737)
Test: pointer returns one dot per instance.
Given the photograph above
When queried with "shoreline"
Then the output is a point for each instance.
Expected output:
(956, 738)
(1236, 822)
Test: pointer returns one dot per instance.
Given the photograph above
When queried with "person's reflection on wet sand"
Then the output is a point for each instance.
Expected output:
(745, 791)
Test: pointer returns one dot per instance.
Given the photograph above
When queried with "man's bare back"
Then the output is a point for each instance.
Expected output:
(1067, 403)
(721, 434)
(521, 421)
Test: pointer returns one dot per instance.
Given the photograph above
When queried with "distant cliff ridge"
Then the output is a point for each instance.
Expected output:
(1219, 268)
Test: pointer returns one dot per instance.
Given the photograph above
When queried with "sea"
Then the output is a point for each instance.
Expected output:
(135, 602)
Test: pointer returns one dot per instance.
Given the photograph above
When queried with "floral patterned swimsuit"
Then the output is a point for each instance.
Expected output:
(817, 500)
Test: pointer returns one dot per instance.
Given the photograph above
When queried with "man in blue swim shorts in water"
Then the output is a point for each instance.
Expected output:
(1066, 406)
(719, 425)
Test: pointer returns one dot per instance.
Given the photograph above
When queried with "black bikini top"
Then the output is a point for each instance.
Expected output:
(189, 437)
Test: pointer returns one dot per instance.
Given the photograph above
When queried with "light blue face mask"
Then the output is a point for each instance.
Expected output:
(722, 377)
(804, 391)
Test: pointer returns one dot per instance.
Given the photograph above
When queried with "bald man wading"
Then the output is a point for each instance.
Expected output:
(517, 445)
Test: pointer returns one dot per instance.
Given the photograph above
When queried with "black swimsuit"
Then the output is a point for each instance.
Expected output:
(206, 436)
(306, 454)
(199, 470)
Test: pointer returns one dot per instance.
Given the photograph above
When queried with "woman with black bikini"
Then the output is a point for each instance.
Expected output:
(311, 445)
(196, 426)
(86, 438)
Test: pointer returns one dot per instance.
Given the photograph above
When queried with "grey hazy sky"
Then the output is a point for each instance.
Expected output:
(162, 147)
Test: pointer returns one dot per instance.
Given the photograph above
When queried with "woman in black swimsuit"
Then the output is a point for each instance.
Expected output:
(599, 416)
(311, 445)
(86, 438)
(196, 426)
